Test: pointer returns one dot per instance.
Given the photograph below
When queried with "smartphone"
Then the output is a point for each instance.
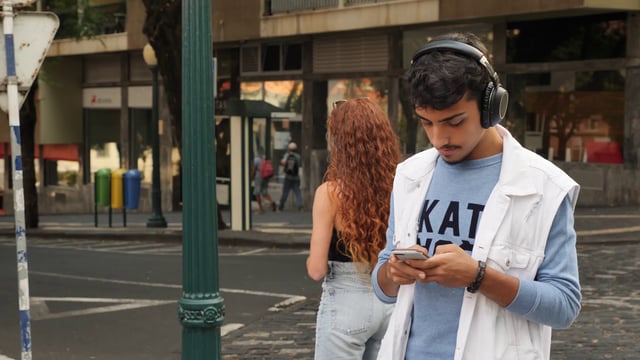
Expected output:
(409, 254)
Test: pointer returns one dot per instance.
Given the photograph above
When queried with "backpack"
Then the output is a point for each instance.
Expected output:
(291, 165)
(266, 169)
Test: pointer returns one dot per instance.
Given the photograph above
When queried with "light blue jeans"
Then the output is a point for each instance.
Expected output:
(351, 320)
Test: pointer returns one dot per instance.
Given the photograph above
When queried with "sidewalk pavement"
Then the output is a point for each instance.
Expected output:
(289, 228)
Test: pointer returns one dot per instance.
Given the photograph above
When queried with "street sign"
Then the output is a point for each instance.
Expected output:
(33, 33)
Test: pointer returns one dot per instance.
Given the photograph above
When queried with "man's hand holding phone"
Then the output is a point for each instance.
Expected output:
(409, 254)
(404, 265)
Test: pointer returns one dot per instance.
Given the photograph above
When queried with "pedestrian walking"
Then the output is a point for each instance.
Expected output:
(262, 172)
(350, 214)
(494, 219)
(291, 163)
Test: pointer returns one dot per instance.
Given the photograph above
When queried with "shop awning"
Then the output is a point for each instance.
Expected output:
(67, 152)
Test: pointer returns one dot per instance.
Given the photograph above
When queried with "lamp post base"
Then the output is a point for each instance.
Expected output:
(156, 221)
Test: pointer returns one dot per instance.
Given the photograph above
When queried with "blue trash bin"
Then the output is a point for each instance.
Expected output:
(132, 180)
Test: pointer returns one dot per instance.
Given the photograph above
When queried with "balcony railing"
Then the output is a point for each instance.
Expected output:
(286, 6)
(91, 20)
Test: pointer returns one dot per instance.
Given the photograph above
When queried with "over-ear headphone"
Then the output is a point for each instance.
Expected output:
(495, 98)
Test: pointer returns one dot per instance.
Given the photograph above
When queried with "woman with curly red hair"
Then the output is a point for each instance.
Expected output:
(350, 213)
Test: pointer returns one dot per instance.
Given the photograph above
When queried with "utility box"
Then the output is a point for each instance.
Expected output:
(132, 180)
(103, 187)
(117, 190)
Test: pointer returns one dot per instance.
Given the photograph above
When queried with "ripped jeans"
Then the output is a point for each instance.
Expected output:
(351, 320)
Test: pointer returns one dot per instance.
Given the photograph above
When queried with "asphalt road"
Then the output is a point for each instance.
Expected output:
(607, 327)
(118, 300)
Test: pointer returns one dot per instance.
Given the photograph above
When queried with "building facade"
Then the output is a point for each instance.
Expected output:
(571, 67)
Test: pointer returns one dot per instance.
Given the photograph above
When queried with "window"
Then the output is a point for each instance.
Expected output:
(250, 56)
(293, 57)
(569, 116)
(567, 39)
(271, 58)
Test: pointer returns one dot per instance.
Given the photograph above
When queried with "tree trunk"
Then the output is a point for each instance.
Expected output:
(27, 137)
(163, 28)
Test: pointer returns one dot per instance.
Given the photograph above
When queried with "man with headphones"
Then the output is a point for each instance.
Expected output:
(494, 220)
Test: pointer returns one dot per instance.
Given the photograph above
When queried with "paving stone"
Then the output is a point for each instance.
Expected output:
(607, 328)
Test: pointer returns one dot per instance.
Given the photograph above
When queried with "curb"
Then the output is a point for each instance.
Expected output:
(225, 237)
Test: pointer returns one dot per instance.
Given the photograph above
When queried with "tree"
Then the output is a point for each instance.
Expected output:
(27, 136)
(163, 28)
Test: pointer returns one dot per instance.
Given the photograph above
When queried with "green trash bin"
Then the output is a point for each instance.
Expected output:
(103, 187)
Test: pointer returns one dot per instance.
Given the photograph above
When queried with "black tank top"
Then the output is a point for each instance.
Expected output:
(337, 251)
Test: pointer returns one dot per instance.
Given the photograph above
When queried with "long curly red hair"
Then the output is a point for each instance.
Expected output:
(364, 152)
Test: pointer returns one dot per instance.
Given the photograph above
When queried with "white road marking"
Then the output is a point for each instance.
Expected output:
(609, 216)
(162, 285)
(42, 311)
(284, 230)
(167, 250)
(286, 303)
(608, 231)
(127, 247)
(2, 357)
(225, 329)
(252, 252)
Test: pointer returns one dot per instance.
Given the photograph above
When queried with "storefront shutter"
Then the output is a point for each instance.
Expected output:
(340, 54)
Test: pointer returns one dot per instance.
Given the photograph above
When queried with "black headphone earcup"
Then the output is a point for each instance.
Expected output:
(494, 105)
(487, 100)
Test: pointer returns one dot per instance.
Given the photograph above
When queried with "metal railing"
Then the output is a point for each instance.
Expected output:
(363, 2)
(286, 6)
(91, 20)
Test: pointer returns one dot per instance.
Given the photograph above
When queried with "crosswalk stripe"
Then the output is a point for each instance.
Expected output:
(225, 329)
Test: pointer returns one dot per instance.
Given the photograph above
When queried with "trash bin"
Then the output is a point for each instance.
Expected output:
(132, 179)
(103, 186)
(117, 183)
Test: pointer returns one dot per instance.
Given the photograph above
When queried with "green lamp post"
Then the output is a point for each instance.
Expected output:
(201, 308)
(156, 219)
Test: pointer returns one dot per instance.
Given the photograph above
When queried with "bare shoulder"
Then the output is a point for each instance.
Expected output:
(324, 197)
(326, 189)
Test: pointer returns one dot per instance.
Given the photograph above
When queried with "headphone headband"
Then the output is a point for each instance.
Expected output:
(462, 48)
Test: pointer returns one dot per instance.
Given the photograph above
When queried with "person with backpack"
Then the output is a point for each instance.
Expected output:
(291, 164)
(262, 172)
